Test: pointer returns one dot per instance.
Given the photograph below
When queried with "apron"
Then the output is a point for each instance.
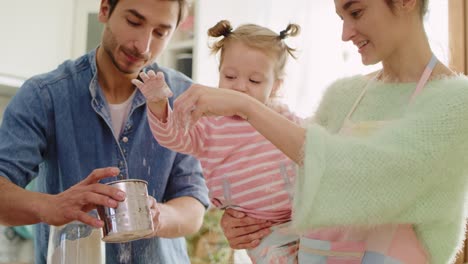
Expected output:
(386, 244)
(281, 246)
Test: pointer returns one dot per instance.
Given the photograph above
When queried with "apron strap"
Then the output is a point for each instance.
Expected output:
(358, 100)
(425, 77)
(421, 83)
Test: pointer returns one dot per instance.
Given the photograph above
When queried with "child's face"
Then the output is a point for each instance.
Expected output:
(248, 70)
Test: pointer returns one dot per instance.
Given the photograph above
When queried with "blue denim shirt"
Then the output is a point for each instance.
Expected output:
(57, 128)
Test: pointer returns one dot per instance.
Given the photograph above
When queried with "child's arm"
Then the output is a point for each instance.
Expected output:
(156, 92)
(161, 121)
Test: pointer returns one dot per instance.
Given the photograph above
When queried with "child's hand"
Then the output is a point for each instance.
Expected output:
(153, 87)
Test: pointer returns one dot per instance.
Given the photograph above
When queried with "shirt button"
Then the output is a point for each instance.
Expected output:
(125, 139)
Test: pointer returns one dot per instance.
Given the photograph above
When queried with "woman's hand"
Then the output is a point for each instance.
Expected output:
(199, 101)
(243, 232)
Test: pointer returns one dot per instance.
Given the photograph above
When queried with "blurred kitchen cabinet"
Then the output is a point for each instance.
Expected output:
(87, 29)
(179, 52)
(36, 36)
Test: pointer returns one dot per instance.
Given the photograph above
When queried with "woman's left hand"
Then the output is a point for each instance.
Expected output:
(199, 101)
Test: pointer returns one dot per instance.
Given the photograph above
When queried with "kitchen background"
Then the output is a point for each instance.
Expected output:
(39, 35)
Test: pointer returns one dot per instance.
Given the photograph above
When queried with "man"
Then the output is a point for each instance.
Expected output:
(85, 123)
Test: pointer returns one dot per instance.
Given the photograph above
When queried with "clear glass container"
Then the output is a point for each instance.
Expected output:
(76, 242)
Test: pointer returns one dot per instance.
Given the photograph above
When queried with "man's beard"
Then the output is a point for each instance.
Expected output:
(112, 44)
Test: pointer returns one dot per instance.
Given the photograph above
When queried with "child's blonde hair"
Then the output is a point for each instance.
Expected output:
(257, 37)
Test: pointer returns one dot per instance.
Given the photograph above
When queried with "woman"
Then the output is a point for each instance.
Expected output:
(386, 153)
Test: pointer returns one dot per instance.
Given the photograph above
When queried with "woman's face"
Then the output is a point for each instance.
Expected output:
(374, 29)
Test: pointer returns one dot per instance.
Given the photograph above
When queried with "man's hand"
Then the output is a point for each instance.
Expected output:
(177, 217)
(75, 202)
(155, 213)
(243, 232)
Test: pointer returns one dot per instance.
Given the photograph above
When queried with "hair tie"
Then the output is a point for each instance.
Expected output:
(227, 32)
(283, 34)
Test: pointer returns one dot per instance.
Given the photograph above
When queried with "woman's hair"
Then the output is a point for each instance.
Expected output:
(422, 8)
(183, 8)
(257, 37)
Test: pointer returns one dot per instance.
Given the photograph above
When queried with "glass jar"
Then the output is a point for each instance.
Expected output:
(75, 242)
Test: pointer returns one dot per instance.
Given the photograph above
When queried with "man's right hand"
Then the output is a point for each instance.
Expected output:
(75, 202)
(242, 231)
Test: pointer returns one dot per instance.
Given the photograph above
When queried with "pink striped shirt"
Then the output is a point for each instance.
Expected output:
(243, 170)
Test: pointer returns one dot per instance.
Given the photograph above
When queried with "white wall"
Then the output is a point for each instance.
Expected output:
(36, 35)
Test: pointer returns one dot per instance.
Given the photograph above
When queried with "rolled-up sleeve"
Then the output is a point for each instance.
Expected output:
(23, 134)
(187, 180)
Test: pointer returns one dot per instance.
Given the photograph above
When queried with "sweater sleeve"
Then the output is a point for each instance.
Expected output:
(372, 181)
(173, 137)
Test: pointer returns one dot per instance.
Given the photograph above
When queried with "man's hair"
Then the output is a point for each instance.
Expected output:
(183, 8)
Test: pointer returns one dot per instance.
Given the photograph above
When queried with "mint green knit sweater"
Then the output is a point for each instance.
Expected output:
(415, 170)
